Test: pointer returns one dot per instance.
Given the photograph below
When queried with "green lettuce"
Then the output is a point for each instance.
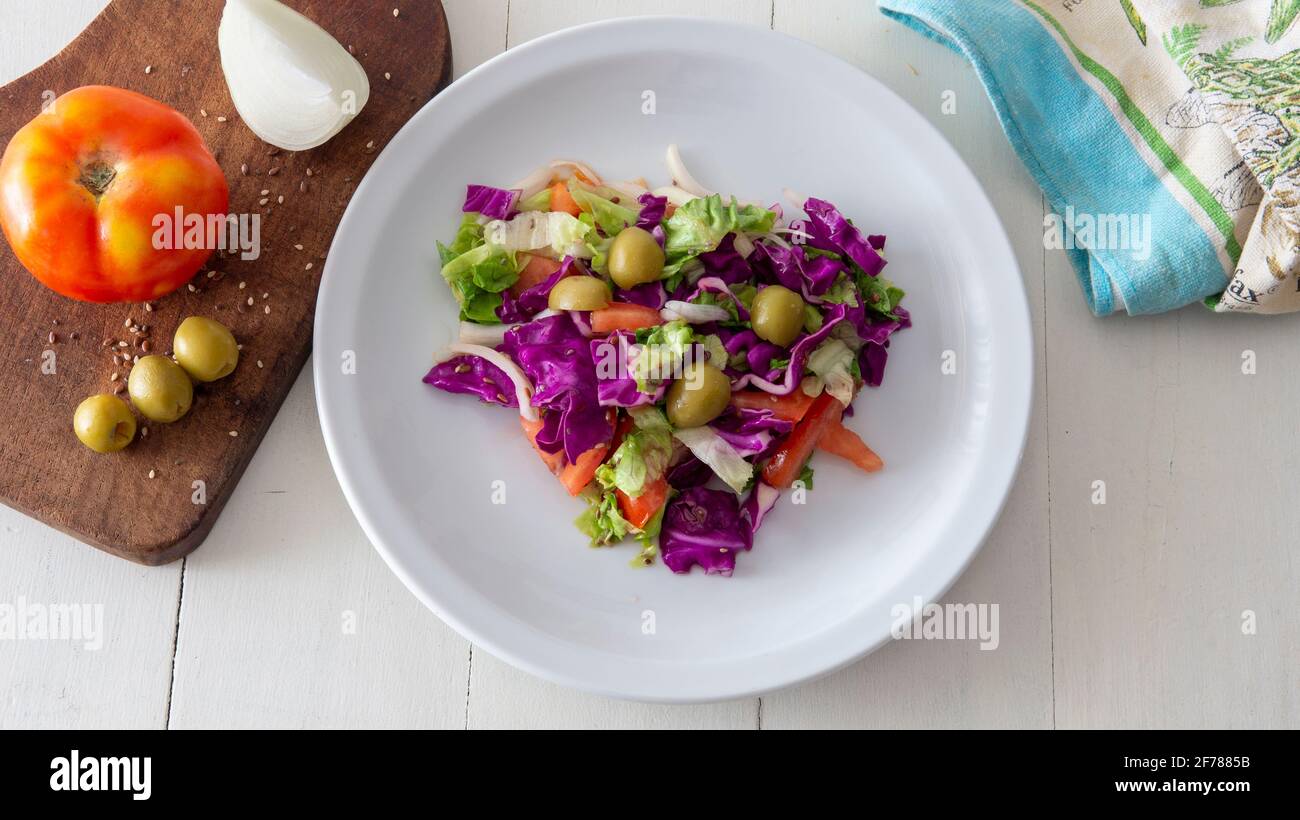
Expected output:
(643, 456)
(477, 277)
(880, 296)
(698, 226)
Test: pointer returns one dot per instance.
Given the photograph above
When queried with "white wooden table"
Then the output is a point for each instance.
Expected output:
(1127, 614)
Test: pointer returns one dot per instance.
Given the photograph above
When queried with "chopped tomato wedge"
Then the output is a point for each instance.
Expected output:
(536, 271)
(791, 407)
(787, 462)
(562, 200)
(639, 510)
(579, 474)
(624, 316)
(843, 442)
(554, 461)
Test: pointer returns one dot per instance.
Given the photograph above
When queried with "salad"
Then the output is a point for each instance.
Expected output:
(675, 357)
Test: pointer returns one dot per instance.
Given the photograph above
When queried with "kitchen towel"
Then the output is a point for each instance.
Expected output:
(1165, 134)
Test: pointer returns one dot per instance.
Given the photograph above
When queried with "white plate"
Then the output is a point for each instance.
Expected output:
(753, 112)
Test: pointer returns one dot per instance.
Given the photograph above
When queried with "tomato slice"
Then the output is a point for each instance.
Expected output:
(639, 510)
(791, 407)
(579, 474)
(843, 442)
(787, 462)
(562, 200)
(554, 461)
(536, 271)
(624, 316)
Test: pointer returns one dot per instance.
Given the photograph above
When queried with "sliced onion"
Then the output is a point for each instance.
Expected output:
(692, 313)
(573, 165)
(681, 177)
(675, 195)
(523, 387)
(487, 335)
(794, 198)
(743, 245)
(293, 84)
(631, 190)
(532, 185)
(584, 327)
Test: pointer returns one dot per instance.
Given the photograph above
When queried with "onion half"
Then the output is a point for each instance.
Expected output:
(293, 84)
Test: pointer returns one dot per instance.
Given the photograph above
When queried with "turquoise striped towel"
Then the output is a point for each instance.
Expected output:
(1163, 132)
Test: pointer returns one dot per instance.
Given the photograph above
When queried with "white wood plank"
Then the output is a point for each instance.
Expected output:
(478, 31)
(61, 684)
(950, 683)
(1150, 588)
(268, 603)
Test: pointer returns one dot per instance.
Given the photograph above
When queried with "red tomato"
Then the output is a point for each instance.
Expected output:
(791, 407)
(639, 510)
(843, 442)
(787, 462)
(84, 185)
(624, 316)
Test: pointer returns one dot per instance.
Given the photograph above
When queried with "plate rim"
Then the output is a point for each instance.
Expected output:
(1016, 321)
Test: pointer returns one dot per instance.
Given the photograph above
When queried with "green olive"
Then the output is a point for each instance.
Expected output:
(777, 314)
(104, 423)
(206, 349)
(579, 293)
(699, 396)
(160, 389)
(635, 258)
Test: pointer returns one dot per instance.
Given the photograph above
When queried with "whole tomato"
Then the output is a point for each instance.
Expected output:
(88, 185)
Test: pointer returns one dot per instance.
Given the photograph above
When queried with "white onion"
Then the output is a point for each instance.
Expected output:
(574, 165)
(675, 195)
(523, 387)
(743, 245)
(292, 83)
(681, 177)
(533, 184)
(487, 335)
(692, 313)
(631, 190)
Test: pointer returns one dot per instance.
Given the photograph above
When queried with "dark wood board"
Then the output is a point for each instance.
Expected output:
(109, 501)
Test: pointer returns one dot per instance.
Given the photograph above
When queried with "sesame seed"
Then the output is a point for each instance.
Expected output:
(148, 306)
(387, 76)
(259, 363)
(234, 433)
(265, 191)
(309, 266)
(53, 338)
(144, 432)
(250, 301)
(121, 344)
(126, 322)
(396, 12)
(114, 377)
(203, 111)
(243, 285)
(192, 288)
(263, 201)
(221, 119)
(280, 199)
(148, 69)
(153, 473)
(273, 171)
(243, 169)
(264, 295)
(302, 187)
(309, 172)
(267, 310)
(297, 247)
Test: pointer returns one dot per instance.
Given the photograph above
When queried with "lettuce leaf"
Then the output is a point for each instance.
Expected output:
(700, 225)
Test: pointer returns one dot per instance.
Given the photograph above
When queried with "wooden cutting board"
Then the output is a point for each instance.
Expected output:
(167, 49)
